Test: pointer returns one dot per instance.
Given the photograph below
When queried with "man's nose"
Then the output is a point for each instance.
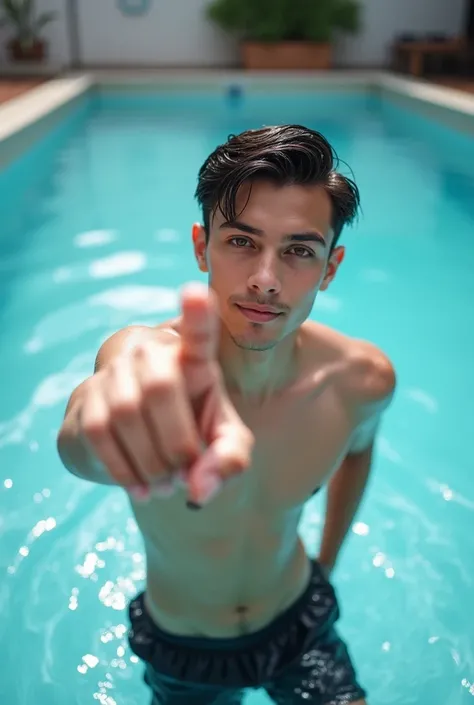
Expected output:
(265, 279)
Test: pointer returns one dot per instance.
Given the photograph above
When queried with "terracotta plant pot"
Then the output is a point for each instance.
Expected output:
(286, 55)
(31, 51)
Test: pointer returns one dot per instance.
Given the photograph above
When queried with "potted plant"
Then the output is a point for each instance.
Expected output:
(27, 44)
(286, 34)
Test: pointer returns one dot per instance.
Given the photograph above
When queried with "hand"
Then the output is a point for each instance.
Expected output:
(159, 413)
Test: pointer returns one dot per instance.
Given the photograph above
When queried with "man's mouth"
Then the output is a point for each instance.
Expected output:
(259, 314)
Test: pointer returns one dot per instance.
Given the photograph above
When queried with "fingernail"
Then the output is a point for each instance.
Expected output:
(140, 494)
(210, 486)
(163, 488)
(193, 505)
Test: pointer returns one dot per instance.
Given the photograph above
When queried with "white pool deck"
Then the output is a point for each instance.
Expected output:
(20, 116)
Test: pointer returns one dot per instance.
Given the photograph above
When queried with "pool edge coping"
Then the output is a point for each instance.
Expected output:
(425, 92)
(23, 111)
(21, 114)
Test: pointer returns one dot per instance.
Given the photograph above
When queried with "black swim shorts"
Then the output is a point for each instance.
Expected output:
(298, 658)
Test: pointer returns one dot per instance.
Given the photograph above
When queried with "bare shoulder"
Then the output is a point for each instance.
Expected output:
(364, 371)
(370, 373)
(130, 337)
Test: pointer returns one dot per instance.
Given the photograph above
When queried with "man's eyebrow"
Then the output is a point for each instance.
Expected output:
(308, 236)
(239, 225)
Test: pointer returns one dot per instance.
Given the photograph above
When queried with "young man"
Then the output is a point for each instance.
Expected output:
(222, 423)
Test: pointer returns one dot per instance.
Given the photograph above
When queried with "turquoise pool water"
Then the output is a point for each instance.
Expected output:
(95, 235)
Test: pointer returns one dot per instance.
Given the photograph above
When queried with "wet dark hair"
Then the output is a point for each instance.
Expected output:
(284, 154)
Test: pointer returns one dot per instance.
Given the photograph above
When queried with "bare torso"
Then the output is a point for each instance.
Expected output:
(232, 566)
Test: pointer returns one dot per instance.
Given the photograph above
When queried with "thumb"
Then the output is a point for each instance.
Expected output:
(228, 456)
(199, 324)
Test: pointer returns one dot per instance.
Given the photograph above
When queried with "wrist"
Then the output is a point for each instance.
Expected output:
(326, 566)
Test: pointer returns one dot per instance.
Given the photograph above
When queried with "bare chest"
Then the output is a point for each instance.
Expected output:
(298, 444)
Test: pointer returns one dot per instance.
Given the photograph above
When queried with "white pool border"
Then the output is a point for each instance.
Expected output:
(25, 118)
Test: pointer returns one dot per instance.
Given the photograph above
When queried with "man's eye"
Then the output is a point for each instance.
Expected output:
(302, 252)
(240, 241)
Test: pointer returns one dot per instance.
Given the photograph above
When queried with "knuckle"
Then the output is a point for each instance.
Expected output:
(115, 367)
(95, 429)
(124, 409)
(149, 351)
(142, 351)
(159, 385)
(93, 422)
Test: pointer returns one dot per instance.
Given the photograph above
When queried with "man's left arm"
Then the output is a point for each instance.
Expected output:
(347, 486)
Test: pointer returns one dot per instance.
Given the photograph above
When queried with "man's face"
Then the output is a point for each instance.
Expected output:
(267, 267)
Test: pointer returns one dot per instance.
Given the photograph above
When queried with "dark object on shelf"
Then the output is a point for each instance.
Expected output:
(415, 53)
(437, 37)
(407, 37)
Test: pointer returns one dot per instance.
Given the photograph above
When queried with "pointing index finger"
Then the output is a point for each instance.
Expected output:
(199, 324)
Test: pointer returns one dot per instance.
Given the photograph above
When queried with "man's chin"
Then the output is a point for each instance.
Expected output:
(248, 343)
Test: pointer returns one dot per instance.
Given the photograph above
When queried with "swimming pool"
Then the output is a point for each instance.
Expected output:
(95, 235)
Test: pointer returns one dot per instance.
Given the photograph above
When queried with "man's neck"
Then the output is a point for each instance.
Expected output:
(256, 375)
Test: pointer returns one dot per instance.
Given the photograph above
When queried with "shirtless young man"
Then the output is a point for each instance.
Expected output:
(222, 423)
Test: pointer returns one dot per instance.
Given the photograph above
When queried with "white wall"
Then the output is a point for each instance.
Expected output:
(382, 19)
(176, 32)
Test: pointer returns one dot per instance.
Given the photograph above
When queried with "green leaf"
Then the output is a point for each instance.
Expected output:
(21, 9)
(20, 14)
(259, 19)
(317, 20)
(279, 20)
(347, 16)
(44, 19)
(13, 11)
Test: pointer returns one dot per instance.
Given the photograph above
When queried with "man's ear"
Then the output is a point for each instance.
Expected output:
(200, 246)
(335, 260)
